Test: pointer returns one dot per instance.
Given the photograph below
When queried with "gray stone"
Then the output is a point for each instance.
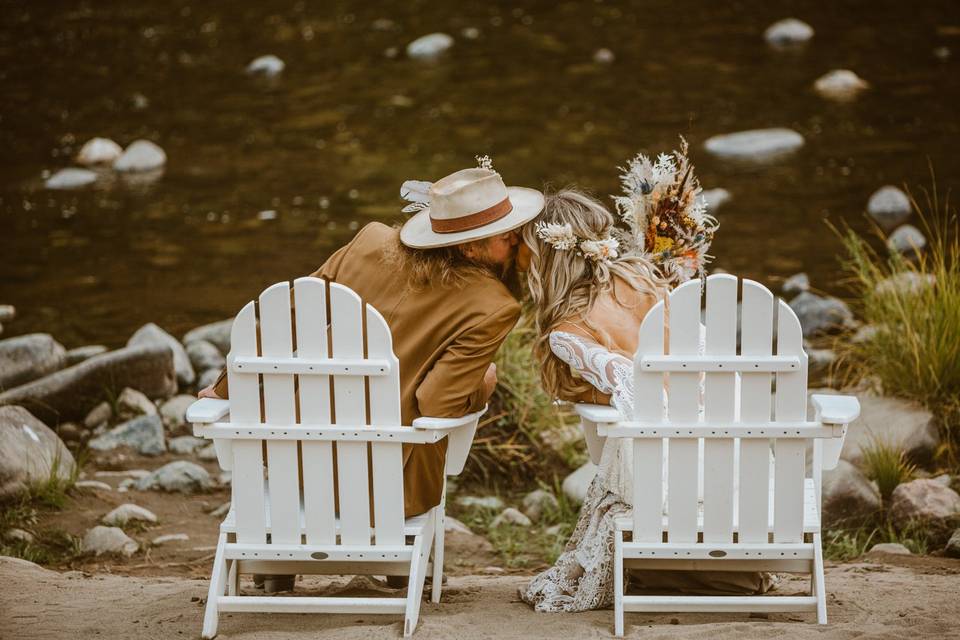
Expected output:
(26, 358)
(132, 403)
(797, 283)
(864, 333)
(143, 434)
(925, 500)
(18, 535)
(216, 333)
(952, 549)
(69, 394)
(207, 453)
(452, 525)
(101, 540)
(225, 478)
(29, 452)
(99, 151)
(69, 431)
(486, 502)
(715, 198)
(756, 145)
(268, 65)
(151, 334)
(906, 283)
(848, 496)
(575, 485)
(170, 537)
(820, 360)
(907, 240)
(818, 314)
(185, 445)
(70, 178)
(470, 33)
(181, 476)
(429, 46)
(208, 378)
(80, 354)
(537, 502)
(510, 516)
(204, 355)
(141, 155)
(126, 473)
(890, 548)
(603, 56)
(841, 85)
(93, 485)
(101, 413)
(221, 511)
(943, 479)
(174, 411)
(889, 206)
(7, 312)
(789, 31)
(128, 513)
(554, 530)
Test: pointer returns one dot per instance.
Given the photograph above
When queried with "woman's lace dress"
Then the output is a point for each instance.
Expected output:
(582, 577)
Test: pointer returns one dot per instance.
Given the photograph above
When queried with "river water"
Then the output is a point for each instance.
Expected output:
(327, 144)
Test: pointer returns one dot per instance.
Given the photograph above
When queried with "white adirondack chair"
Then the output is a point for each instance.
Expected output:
(303, 447)
(708, 495)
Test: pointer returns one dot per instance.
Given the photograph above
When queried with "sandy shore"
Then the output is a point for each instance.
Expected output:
(893, 598)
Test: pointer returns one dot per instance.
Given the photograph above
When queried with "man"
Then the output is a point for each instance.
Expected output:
(438, 282)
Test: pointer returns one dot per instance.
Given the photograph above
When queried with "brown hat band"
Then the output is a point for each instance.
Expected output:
(474, 220)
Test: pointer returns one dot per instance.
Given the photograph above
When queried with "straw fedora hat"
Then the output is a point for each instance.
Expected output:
(471, 204)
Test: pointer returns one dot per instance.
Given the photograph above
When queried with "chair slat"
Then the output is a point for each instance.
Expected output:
(247, 481)
(648, 387)
(280, 408)
(648, 490)
(791, 403)
(789, 467)
(682, 483)
(754, 500)
(684, 398)
(310, 296)
(350, 406)
(387, 459)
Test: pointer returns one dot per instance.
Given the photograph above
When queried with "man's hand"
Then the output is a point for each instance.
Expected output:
(490, 380)
(208, 392)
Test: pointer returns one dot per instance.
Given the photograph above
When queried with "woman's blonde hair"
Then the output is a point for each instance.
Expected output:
(564, 285)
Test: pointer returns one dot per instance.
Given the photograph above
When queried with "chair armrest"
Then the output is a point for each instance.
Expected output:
(601, 413)
(836, 409)
(207, 410)
(460, 432)
(444, 424)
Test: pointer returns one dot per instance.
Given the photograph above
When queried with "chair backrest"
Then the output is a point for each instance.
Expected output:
(344, 374)
(739, 424)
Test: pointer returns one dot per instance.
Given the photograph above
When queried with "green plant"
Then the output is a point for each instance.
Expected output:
(848, 544)
(887, 464)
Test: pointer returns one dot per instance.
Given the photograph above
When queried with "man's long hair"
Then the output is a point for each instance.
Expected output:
(440, 266)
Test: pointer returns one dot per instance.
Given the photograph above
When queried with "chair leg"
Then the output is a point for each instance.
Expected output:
(218, 579)
(438, 550)
(418, 573)
(618, 584)
(821, 590)
(233, 578)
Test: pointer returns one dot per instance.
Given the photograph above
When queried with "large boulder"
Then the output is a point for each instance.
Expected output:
(848, 497)
(755, 145)
(29, 452)
(26, 358)
(576, 484)
(181, 476)
(216, 333)
(151, 334)
(818, 314)
(101, 540)
(143, 434)
(78, 355)
(69, 394)
(889, 206)
(925, 500)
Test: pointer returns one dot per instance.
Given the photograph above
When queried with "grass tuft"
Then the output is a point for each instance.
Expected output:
(886, 464)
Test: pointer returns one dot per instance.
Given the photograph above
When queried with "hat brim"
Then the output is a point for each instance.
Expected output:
(527, 205)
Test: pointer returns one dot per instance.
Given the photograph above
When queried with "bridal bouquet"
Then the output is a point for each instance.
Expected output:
(666, 217)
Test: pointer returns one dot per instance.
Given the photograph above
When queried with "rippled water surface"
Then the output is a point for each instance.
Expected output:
(327, 144)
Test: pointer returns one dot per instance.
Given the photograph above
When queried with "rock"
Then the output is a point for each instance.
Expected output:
(797, 283)
(80, 354)
(820, 360)
(925, 500)
(126, 473)
(208, 378)
(99, 151)
(537, 502)
(757, 145)
(864, 334)
(487, 502)
(848, 496)
(143, 434)
(510, 516)
(29, 357)
(943, 479)
(889, 206)
(18, 535)
(221, 511)
(952, 549)
(906, 283)
(575, 485)
(890, 548)
(225, 478)
(151, 334)
(841, 85)
(204, 355)
(554, 530)
(70, 179)
(470, 33)
(132, 403)
(216, 333)
(7, 312)
(906, 240)
(69, 431)
(141, 156)
(267, 214)
(101, 413)
(207, 453)
(430, 46)
(788, 32)
(181, 476)
(68, 394)
(173, 412)
(128, 512)
(93, 485)
(185, 445)
(715, 198)
(29, 452)
(603, 56)
(269, 65)
(100, 540)
(819, 314)
(452, 525)
(170, 537)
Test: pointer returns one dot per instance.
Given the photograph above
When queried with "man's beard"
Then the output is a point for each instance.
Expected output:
(505, 272)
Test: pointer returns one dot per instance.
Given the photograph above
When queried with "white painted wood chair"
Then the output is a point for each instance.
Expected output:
(708, 494)
(316, 459)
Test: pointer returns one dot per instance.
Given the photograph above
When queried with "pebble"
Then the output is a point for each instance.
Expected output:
(132, 403)
(18, 535)
(841, 85)
(603, 56)
(575, 485)
(7, 312)
(94, 485)
(487, 502)
(99, 151)
(268, 65)
(452, 525)
(889, 206)
(173, 412)
(510, 516)
(180, 476)
(907, 240)
(537, 502)
(221, 511)
(207, 453)
(185, 445)
(170, 537)
(143, 434)
(429, 46)
(127, 473)
(70, 178)
(470, 33)
(789, 31)
(100, 540)
(893, 548)
(101, 413)
(141, 155)
(127, 513)
(756, 145)
(797, 283)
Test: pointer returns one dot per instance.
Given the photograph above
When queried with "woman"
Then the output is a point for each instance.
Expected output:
(589, 302)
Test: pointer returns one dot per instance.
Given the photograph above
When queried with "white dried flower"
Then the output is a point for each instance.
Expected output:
(664, 169)
(559, 236)
(484, 162)
(600, 250)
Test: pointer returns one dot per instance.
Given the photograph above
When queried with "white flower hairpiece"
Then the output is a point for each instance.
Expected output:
(600, 250)
(484, 162)
(562, 238)
(559, 236)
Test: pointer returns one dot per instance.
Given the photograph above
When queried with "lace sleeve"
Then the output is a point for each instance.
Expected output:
(609, 372)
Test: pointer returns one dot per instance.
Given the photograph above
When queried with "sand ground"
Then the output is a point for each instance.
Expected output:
(883, 598)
